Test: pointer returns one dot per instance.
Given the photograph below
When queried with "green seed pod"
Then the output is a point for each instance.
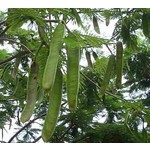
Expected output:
(119, 64)
(95, 55)
(53, 108)
(88, 58)
(108, 74)
(52, 60)
(73, 76)
(43, 35)
(15, 69)
(95, 24)
(31, 94)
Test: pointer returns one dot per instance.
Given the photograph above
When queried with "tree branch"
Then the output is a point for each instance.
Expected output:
(11, 40)
(4, 31)
(3, 142)
(10, 140)
(109, 49)
(28, 125)
(99, 87)
(13, 57)
(56, 21)
(2, 22)
(62, 136)
(37, 139)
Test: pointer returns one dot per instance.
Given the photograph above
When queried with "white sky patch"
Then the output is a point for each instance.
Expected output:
(7, 47)
(101, 117)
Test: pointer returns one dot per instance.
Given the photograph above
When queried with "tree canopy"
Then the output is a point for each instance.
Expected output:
(62, 80)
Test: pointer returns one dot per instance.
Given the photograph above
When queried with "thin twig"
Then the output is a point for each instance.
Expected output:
(4, 31)
(13, 57)
(10, 140)
(11, 40)
(99, 87)
(3, 142)
(27, 125)
(65, 133)
(56, 21)
(120, 13)
(3, 22)
(37, 139)
(109, 49)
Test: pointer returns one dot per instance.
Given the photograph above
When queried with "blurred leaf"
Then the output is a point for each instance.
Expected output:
(4, 54)
(146, 24)
(95, 24)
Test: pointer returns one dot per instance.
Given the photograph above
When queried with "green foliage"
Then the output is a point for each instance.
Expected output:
(129, 24)
(101, 65)
(139, 69)
(3, 54)
(22, 16)
(146, 24)
(87, 40)
(110, 133)
(107, 15)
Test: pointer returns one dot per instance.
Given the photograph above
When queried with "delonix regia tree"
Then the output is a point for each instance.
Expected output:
(49, 95)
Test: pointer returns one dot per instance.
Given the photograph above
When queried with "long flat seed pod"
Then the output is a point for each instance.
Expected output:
(53, 108)
(95, 55)
(77, 16)
(108, 74)
(107, 20)
(125, 30)
(15, 69)
(95, 24)
(31, 94)
(73, 76)
(119, 64)
(88, 58)
(52, 60)
(43, 35)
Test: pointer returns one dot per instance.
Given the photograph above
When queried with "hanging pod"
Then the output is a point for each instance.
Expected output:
(31, 94)
(52, 60)
(95, 24)
(108, 74)
(119, 64)
(16, 66)
(73, 75)
(53, 108)
(95, 56)
(88, 58)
